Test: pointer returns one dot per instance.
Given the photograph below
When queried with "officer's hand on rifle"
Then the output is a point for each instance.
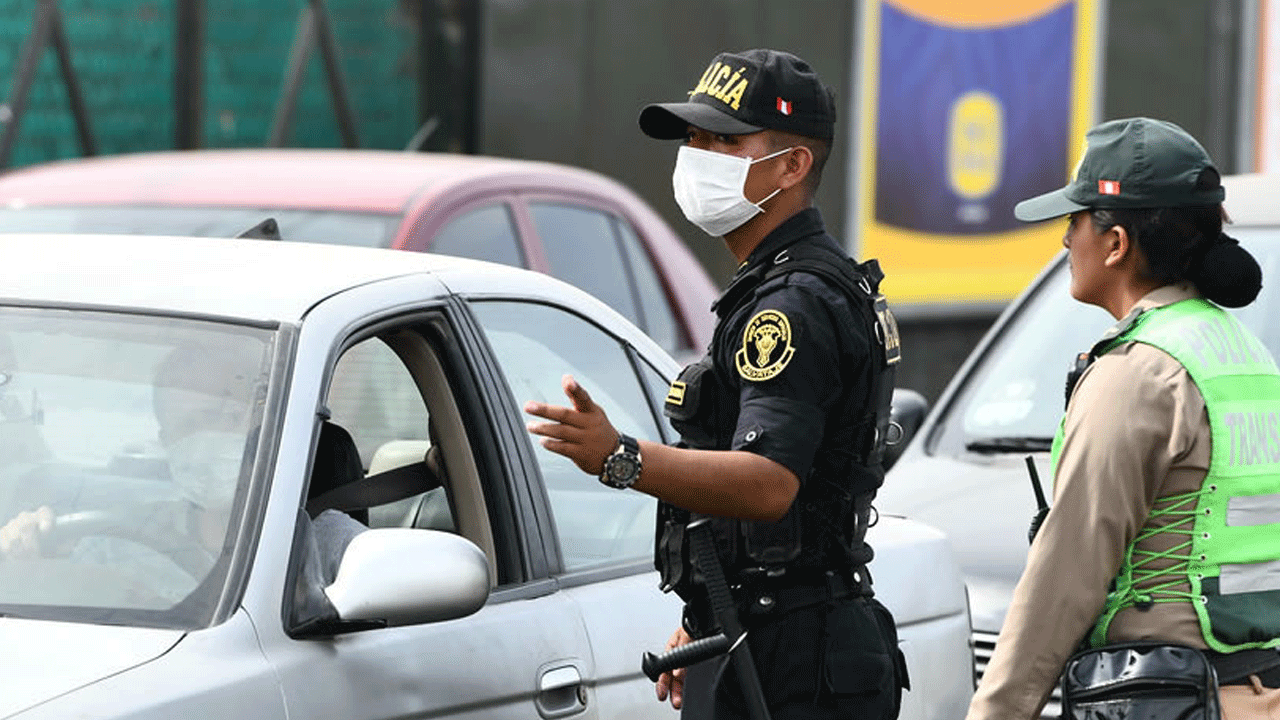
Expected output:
(672, 683)
(581, 433)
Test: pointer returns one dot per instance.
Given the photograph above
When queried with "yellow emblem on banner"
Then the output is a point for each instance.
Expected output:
(766, 346)
(975, 146)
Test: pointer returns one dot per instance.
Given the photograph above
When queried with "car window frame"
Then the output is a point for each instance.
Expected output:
(522, 567)
(608, 205)
(426, 218)
(427, 214)
(610, 221)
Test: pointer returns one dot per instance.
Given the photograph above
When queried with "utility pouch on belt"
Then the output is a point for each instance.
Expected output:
(772, 543)
(1141, 681)
(671, 557)
(690, 404)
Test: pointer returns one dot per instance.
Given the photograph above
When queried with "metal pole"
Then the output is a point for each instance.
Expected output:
(429, 50)
(78, 111)
(295, 70)
(1221, 78)
(468, 124)
(337, 85)
(45, 17)
(188, 74)
(1248, 150)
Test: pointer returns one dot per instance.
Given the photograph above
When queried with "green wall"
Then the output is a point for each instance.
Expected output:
(123, 52)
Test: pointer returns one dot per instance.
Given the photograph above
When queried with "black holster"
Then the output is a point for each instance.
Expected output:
(1140, 681)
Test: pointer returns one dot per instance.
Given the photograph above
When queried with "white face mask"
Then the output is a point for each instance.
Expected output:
(205, 466)
(709, 189)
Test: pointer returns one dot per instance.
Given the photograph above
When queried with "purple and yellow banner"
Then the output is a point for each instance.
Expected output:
(965, 109)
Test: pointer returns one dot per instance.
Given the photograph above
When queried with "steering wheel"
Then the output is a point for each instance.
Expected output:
(129, 524)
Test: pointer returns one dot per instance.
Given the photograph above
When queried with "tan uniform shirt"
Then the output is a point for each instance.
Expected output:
(1136, 430)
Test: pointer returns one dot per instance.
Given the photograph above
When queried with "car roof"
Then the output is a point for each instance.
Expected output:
(1251, 199)
(256, 280)
(382, 181)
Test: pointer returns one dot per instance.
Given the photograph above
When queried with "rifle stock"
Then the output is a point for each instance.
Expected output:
(732, 638)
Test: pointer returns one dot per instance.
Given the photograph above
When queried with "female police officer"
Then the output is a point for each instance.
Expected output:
(1167, 495)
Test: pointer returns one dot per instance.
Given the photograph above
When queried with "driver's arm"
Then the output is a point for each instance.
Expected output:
(21, 536)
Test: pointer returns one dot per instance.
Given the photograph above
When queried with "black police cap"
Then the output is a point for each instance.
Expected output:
(749, 91)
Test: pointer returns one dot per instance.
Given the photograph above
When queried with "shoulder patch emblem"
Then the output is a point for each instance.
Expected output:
(766, 346)
(675, 395)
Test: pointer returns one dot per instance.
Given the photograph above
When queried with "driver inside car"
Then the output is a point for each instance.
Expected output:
(202, 400)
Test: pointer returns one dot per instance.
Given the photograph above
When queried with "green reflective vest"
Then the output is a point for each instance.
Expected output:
(1228, 531)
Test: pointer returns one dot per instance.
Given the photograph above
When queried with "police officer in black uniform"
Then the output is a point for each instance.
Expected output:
(782, 423)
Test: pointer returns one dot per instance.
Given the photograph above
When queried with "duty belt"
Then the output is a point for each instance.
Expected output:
(1235, 668)
(765, 602)
(760, 603)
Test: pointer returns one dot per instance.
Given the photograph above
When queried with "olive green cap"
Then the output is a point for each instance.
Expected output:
(1133, 163)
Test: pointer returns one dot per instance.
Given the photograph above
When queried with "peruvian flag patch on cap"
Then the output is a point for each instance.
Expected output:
(784, 107)
(1108, 187)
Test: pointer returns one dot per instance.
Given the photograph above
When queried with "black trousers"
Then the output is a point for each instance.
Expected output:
(835, 659)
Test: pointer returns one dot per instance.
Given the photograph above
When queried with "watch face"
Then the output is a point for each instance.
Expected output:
(623, 467)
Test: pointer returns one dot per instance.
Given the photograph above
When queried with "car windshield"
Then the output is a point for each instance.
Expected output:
(126, 447)
(319, 226)
(1014, 399)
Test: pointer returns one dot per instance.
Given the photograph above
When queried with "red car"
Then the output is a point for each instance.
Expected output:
(574, 224)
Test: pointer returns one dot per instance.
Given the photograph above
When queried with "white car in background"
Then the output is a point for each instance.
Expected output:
(497, 580)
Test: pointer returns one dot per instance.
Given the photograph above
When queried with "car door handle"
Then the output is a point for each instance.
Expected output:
(560, 692)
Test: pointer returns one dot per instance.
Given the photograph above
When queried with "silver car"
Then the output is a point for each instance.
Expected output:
(255, 479)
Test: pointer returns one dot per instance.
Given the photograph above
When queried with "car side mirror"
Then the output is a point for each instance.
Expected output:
(405, 576)
(907, 411)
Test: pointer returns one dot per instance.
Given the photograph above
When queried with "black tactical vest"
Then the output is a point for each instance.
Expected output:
(825, 526)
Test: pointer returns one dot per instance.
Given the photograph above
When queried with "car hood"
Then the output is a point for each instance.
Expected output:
(45, 659)
(906, 551)
(984, 504)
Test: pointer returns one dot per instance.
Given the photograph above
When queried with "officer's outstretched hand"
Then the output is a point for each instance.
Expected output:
(671, 684)
(581, 433)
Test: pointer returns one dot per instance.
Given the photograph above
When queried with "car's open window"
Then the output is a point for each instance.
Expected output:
(536, 345)
(391, 396)
(394, 434)
(375, 399)
(135, 437)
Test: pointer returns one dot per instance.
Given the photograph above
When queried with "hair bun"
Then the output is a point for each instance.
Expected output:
(1228, 274)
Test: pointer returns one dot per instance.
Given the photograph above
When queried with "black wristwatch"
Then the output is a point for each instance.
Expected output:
(622, 467)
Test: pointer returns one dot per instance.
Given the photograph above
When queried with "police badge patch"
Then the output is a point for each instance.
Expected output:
(766, 346)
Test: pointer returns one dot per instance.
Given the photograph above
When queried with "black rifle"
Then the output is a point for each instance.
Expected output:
(732, 637)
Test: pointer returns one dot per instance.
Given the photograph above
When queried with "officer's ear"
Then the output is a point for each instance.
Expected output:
(1119, 246)
(798, 163)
